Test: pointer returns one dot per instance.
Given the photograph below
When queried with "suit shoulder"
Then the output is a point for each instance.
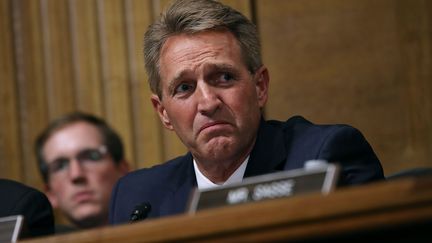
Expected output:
(14, 186)
(29, 202)
(17, 192)
(299, 126)
(157, 173)
(300, 133)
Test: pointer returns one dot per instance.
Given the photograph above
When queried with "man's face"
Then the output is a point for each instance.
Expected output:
(82, 190)
(209, 98)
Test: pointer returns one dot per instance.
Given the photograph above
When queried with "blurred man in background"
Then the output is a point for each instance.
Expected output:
(80, 158)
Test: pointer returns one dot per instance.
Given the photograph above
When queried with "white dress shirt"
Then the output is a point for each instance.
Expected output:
(204, 183)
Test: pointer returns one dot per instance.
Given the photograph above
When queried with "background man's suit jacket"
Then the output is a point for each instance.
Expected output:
(19, 199)
(279, 146)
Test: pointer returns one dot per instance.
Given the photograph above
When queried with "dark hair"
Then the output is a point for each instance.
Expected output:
(110, 138)
(195, 16)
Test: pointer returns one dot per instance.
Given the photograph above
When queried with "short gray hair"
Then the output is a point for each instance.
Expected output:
(194, 16)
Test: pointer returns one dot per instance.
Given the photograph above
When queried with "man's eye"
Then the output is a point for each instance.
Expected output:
(183, 88)
(225, 77)
(59, 164)
(90, 155)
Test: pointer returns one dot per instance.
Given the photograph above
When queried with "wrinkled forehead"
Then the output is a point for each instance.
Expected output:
(188, 52)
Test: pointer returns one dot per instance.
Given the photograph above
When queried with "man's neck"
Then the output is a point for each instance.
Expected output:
(220, 172)
(205, 183)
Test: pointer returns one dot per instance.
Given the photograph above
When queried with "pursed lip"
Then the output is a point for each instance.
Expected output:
(82, 196)
(211, 124)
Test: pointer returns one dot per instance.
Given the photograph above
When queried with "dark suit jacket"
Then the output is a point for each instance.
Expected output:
(18, 199)
(279, 146)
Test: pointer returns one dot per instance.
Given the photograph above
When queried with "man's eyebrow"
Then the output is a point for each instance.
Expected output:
(176, 79)
(222, 66)
(216, 69)
(60, 157)
(172, 84)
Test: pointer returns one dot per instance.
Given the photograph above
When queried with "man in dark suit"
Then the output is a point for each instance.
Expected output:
(209, 86)
(18, 199)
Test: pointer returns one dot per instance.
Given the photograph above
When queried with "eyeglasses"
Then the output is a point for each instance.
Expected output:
(85, 157)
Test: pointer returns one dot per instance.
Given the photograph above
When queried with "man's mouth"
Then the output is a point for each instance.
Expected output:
(83, 196)
(213, 125)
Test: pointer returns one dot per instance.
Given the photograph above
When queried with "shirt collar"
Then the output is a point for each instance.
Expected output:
(204, 183)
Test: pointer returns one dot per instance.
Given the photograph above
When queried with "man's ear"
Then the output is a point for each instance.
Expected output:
(160, 109)
(51, 196)
(123, 167)
(262, 83)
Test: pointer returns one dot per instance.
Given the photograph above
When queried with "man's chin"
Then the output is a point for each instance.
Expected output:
(219, 143)
(219, 149)
(88, 216)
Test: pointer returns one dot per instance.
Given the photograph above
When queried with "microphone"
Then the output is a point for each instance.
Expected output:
(140, 212)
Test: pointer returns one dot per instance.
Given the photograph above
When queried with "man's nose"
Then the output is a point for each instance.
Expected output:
(75, 170)
(208, 99)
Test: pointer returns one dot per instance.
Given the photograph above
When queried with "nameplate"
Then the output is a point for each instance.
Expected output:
(265, 187)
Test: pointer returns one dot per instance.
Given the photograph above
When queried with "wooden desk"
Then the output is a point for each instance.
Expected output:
(399, 210)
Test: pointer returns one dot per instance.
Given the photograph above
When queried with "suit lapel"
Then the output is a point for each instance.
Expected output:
(269, 152)
(180, 188)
